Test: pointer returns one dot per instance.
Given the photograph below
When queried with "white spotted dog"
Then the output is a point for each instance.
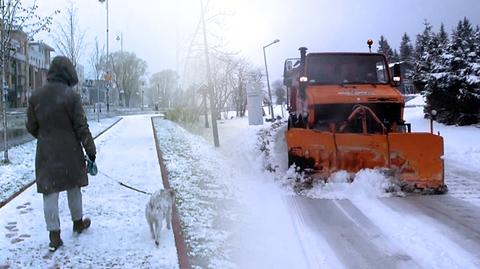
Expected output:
(159, 208)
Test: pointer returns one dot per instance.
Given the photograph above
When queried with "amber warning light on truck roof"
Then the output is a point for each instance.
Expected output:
(370, 43)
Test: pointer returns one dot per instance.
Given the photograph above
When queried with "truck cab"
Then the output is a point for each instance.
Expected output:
(325, 88)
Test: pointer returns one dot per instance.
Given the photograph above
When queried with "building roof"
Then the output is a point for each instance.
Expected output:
(45, 46)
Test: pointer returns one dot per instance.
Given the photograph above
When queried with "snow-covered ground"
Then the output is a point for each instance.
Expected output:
(119, 236)
(344, 225)
(233, 212)
(237, 214)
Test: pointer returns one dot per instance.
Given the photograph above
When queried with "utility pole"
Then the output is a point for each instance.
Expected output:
(268, 80)
(108, 64)
(209, 81)
(108, 77)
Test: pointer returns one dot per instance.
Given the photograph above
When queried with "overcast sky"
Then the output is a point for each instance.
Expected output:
(155, 29)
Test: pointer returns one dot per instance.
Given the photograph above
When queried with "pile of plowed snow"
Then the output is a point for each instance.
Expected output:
(368, 182)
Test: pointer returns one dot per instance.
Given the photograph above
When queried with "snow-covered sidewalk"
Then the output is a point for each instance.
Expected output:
(21, 171)
(119, 236)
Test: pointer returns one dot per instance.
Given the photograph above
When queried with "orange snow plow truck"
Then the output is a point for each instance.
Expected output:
(346, 114)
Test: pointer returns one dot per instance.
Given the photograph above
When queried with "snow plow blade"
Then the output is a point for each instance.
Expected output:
(414, 158)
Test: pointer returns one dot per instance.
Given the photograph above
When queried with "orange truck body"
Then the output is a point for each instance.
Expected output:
(346, 114)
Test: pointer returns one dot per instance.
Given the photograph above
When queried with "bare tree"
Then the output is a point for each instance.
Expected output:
(15, 17)
(280, 92)
(128, 71)
(222, 80)
(97, 60)
(242, 81)
(164, 89)
(69, 38)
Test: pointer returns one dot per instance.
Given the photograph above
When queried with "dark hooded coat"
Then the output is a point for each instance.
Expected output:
(56, 118)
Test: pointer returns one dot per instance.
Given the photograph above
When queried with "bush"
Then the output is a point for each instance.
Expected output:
(183, 114)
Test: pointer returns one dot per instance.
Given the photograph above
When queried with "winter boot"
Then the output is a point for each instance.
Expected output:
(80, 225)
(55, 241)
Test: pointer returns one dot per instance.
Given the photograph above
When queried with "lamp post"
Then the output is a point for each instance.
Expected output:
(266, 73)
(108, 56)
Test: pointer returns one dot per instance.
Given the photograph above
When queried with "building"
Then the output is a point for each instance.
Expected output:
(22, 76)
(406, 84)
(39, 56)
(16, 68)
(96, 90)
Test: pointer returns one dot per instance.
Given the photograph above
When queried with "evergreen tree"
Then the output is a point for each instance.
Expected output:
(477, 40)
(424, 46)
(442, 36)
(395, 58)
(453, 87)
(423, 40)
(406, 49)
(384, 47)
(463, 39)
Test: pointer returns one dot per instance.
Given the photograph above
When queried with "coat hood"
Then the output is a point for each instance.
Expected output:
(62, 70)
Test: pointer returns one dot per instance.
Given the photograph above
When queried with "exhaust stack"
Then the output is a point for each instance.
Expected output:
(303, 53)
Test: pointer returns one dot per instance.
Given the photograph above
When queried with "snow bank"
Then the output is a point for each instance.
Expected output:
(272, 145)
(204, 194)
(366, 183)
(418, 100)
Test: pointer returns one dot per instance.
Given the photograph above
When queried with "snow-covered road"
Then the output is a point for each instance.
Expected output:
(119, 236)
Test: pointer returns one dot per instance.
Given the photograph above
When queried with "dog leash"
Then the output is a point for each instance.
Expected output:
(124, 185)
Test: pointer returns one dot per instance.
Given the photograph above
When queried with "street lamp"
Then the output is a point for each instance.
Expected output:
(266, 73)
(120, 38)
(108, 57)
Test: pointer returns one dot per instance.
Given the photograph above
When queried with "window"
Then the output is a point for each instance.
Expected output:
(346, 68)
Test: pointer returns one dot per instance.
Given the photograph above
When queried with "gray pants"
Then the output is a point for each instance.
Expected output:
(50, 208)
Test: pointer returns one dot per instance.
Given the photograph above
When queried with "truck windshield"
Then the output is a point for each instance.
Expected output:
(346, 69)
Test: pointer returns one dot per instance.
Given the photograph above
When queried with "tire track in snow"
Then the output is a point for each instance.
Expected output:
(305, 239)
(455, 218)
(462, 183)
(346, 237)
(418, 235)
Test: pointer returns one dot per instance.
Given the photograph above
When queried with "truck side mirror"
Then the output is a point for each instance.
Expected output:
(288, 66)
(287, 72)
(397, 75)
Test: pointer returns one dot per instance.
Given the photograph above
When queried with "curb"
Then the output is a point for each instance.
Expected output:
(180, 243)
(13, 196)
